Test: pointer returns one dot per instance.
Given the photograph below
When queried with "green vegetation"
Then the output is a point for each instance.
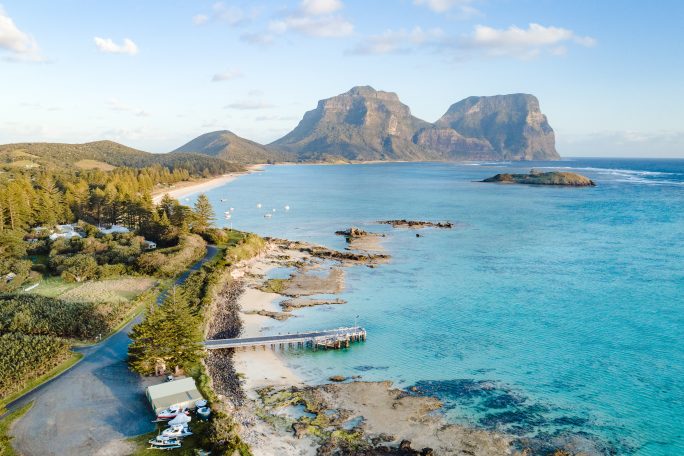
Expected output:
(539, 178)
(59, 156)
(5, 424)
(169, 338)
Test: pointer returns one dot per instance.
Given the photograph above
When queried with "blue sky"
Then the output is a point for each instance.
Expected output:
(154, 74)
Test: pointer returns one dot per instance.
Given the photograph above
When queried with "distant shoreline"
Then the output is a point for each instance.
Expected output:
(186, 188)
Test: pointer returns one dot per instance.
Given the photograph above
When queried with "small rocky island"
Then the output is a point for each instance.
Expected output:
(539, 178)
(416, 224)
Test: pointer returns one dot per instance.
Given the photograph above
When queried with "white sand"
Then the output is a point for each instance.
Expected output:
(182, 189)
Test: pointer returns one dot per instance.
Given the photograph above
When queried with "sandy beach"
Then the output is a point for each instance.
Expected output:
(187, 188)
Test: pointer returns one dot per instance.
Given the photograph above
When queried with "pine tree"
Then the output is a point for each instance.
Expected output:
(204, 213)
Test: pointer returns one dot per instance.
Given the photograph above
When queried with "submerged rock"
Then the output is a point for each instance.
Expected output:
(403, 223)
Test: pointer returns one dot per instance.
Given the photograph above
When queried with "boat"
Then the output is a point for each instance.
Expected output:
(223, 200)
(287, 208)
(204, 412)
(274, 210)
(232, 209)
(268, 215)
(180, 419)
(258, 205)
(177, 430)
(227, 216)
(201, 403)
(171, 412)
(161, 442)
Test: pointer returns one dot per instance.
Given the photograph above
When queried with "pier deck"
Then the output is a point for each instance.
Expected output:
(329, 338)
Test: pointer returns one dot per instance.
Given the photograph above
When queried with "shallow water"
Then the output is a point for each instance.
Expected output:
(546, 311)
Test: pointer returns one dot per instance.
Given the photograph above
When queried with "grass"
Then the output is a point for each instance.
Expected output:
(94, 164)
(275, 286)
(190, 443)
(52, 287)
(36, 382)
(5, 425)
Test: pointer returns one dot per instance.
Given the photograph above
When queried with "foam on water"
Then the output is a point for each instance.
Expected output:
(547, 312)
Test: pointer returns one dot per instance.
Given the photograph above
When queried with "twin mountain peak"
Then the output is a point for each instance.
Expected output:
(365, 124)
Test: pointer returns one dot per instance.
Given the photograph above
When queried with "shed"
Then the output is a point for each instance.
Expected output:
(181, 392)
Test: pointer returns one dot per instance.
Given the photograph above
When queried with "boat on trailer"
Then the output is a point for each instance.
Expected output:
(161, 442)
(171, 412)
(177, 431)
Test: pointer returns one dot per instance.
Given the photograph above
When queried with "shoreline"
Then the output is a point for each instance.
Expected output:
(187, 188)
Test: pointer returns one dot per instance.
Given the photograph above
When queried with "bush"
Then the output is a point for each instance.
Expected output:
(38, 315)
(25, 357)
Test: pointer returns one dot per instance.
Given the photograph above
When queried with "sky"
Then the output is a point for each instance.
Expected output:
(609, 75)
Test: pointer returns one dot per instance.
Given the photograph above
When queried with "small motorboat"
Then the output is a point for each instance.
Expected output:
(171, 412)
(232, 209)
(161, 442)
(258, 205)
(180, 419)
(177, 430)
(223, 200)
(287, 208)
(268, 215)
(204, 412)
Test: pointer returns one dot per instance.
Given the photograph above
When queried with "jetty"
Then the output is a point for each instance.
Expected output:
(325, 339)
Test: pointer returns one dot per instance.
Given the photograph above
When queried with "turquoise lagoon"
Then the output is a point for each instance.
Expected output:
(555, 313)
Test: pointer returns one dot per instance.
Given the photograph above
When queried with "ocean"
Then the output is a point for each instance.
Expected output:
(555, 313)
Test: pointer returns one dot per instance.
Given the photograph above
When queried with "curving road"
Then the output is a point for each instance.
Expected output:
(94, 406)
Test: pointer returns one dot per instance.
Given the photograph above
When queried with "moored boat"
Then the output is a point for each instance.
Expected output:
(161, 442)
(171, 412)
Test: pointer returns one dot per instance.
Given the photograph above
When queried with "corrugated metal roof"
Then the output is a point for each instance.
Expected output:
(184, 387)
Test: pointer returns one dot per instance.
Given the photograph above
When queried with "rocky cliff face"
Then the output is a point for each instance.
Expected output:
(513, 125)
(229, 146)
(366, 124)
(362, 124)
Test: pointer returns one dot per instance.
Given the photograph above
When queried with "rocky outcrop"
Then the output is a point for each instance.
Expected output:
(298, 303)
(537, 178)
(513, 125)
(366, 124)
(416, 224)
(361, 124)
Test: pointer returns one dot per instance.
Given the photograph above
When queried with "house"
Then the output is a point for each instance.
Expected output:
(181, 392)
(115, 229)
(149, 245)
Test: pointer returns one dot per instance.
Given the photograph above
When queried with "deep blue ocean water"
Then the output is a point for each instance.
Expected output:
(547, 312)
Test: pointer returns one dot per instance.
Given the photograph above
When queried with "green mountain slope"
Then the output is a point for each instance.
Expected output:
(229, 146)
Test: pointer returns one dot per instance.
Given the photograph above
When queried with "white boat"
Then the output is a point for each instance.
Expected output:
(177, 430)
(267, 215)
(171, 412)
(161, 442)
(287, 208)
(180, 419)
(227, 216)
(258, 205)
(223, 200)
(232, 209)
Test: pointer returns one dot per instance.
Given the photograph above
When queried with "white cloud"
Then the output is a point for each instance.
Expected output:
(464, 7)
(523, 43)
(108, 46)
(318, 7)
(228, 14)
(398, 41)
(21, 46)
(245, 105)
(317, 18)
(115, 104)
(318, 26)
(231, 74)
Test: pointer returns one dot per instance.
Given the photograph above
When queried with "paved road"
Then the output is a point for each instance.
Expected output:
(89, 409)
(280, 338)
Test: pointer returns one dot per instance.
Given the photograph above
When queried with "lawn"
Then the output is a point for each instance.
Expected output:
(111, 291)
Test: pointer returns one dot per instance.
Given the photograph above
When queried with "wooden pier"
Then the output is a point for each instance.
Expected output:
(325, 339)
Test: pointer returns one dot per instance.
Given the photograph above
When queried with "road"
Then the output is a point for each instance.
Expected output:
(282, 338)
(94, 406)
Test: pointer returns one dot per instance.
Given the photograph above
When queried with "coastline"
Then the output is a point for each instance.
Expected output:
(187, 188)
(281, 415)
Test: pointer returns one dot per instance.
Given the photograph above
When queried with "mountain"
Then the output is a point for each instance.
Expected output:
(513, 125)
(229, 146)
(104, 155)
(361, 124)
(365, 124)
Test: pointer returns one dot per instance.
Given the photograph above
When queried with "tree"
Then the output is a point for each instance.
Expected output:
(79, 267)
(204, 213)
